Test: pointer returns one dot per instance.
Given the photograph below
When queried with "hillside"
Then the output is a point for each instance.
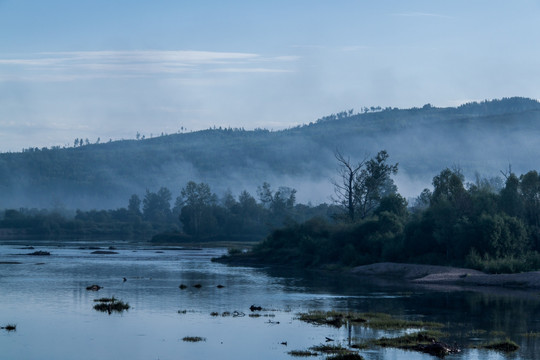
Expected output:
(486, 137)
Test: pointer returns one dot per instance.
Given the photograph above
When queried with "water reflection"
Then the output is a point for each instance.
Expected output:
(55, 317)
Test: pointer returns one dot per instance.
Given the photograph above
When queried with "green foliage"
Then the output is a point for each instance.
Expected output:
(476, 225)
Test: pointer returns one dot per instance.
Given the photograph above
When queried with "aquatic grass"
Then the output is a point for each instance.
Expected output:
(330, 349)
(422, 337)
(531, 334)
(351, 356)
(423, 341)
(506, 345)
(193, 339)
(302, 353)
(111, 304)
(9, 327)
(379, 321)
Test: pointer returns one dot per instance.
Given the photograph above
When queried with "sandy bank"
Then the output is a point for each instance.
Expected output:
(445, 275)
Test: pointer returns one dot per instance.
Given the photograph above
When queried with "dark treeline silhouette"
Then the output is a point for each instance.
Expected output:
(197, 214)
(491, 224)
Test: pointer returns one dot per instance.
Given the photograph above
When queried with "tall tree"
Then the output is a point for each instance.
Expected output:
(344, 186)
(373, 182)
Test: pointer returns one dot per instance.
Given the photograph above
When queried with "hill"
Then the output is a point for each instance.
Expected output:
(483, 137)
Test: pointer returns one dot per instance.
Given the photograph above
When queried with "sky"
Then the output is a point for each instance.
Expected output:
(109, 69)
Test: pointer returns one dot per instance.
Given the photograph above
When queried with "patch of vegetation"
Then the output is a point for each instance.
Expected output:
(405, 341)
(330, 349)
(302, 353)
(531, 334)
(110, 305)
(9, 327)
(506, 345)
(372, 320)
(352, 356)
(424, 341)
(193, 339)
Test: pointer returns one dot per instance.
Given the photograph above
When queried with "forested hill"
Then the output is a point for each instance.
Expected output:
(483, 137)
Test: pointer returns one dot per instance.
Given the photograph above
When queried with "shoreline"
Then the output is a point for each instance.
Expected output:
(449, 276)
(433, 276)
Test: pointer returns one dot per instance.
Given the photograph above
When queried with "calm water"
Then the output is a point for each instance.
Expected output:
(46, 298)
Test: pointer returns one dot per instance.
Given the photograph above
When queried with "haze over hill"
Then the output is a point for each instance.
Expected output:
(482, 137)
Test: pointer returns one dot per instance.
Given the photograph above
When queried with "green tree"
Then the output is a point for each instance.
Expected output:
(157, 206)
(197, 203)
(373, 182)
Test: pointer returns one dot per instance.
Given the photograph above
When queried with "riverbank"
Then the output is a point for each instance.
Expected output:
(417, 274)
(445, 275)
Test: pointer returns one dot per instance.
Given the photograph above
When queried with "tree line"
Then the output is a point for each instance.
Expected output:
(196, 214)
(489, 224)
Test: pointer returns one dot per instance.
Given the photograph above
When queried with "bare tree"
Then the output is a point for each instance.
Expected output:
(344, 186)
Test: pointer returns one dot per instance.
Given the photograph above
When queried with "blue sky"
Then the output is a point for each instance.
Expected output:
(110, 69)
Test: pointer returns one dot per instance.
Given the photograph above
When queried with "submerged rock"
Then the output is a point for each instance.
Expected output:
(40, 253)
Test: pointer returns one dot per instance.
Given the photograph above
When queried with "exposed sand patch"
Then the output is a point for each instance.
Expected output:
(433, 274)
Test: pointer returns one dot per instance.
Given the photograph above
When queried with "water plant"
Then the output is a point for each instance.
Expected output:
(302, 353)
(331, 349)
(351, 356)
(111, 304)
(371, 320)
(193, 339)
(9, 327)
(423, 341)
(506, 345)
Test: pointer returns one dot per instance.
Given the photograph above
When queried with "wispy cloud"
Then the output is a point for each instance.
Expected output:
(421, 14)
(68, 66)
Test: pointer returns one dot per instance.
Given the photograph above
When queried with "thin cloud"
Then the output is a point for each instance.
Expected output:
(67, 66)
(422, 14)
(250, 70)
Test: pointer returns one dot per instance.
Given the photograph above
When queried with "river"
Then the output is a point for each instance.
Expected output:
(46, 298)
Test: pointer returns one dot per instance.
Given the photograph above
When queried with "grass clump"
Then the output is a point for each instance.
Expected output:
(372, 320)
(423, 337)
(193, 339)
(351, 356)
(330, 349)
(506, 345)
(531, 334)
(424, 341)
(9, 327)
(111, 305)
(302, 353)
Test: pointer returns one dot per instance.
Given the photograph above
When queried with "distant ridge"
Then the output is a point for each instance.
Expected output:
(483, 137)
